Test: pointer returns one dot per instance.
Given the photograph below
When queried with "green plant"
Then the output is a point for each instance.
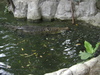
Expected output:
(6, 10)
(89, 50)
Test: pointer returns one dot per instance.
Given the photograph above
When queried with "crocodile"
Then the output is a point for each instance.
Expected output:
(36, 29)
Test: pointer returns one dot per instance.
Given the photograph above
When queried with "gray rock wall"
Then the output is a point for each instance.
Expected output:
(63, 10)
(48, 9)
(33, 12)
(87, 10)
(20, 8)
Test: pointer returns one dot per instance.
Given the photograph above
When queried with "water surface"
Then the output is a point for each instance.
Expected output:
(39, 54)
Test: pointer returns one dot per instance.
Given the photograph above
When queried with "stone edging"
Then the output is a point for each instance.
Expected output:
(90, 67)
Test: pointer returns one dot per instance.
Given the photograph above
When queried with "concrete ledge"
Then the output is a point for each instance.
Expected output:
(90, 67)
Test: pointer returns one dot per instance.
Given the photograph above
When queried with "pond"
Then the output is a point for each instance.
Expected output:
(39, 54)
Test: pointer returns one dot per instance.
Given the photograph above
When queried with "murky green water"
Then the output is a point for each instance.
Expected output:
(39, 54)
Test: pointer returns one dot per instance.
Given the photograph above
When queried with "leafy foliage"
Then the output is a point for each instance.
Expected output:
(89, 50)
(88, 47)
(84, 55)
(6, 10)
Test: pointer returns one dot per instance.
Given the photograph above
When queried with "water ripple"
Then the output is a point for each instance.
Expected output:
(3, 72)
(2, 55)
(6, 36)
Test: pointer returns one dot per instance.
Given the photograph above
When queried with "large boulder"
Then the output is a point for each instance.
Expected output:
(63, 10)
(86, 9)
(20, 9)
(48, 9)
(33, 12)
(88, 12)
(95, 20)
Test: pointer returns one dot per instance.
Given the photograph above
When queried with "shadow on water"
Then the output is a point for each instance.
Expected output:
(39, 54)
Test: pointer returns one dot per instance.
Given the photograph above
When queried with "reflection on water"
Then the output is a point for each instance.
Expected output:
(3, 72)
(2, 55)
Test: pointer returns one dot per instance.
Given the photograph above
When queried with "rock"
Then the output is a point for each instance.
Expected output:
(79, 69)
(67, 72)
(20, 9)
(63, 10)
(95, 70)
(48, 9)
(54, 73)
(10, 8)
(98, 58)
(59, 72)
(91, 62)
(33, 12)
(94, 20)
(86, 9)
